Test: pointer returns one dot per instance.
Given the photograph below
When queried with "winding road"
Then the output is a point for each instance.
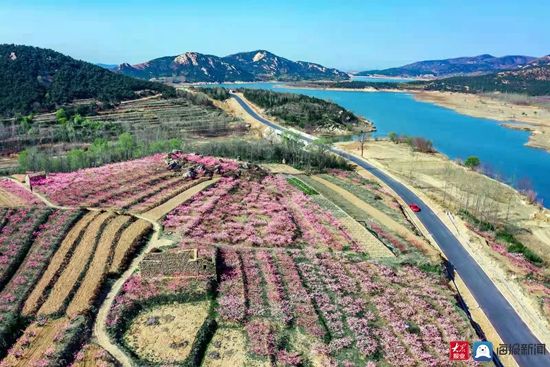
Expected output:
(503, 317)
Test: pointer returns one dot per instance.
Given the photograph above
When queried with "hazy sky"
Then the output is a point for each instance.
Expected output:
(348, 34)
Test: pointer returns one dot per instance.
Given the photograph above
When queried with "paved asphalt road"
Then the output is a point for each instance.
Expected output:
(504, 318)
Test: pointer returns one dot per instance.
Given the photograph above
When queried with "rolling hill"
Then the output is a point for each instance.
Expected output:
(477, 65)
(532, 79)
(246, 66)
(34, 79)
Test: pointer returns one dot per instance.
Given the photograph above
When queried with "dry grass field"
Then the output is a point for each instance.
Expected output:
(165, 334)
(227, 348)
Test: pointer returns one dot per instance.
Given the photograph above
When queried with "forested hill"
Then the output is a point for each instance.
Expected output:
(307, 113)
(33, 79)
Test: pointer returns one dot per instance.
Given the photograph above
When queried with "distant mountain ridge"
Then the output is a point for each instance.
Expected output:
(257, 65)
(35, 79)
(531, 79)
(461, 66)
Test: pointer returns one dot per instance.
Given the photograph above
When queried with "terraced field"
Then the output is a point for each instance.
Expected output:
(56, 261)
(249, 268)
(138, 185)
(148, 118)
(91, 284)
(172, 117)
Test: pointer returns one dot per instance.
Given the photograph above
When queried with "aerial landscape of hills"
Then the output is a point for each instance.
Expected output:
(257, 65)
(179, 188)
(251, 245)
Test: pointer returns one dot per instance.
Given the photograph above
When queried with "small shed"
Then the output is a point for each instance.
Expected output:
(184, 263)
(31, 178)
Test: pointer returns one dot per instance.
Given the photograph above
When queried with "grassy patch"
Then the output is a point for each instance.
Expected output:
(482, 225)
(301, 186)
(515, 246)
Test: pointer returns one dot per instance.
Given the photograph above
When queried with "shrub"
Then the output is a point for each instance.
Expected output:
(482, 225)
(472, 162)
(219, 93)
(517, 247)
(259, 151)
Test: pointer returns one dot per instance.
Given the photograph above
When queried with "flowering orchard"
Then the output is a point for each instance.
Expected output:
(356, 311)
(17, 229)
(139, 184)
(18, 195)
(264, 212)
(45, 240)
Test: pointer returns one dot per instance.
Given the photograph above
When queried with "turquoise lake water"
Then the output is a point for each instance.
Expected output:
(500, 149)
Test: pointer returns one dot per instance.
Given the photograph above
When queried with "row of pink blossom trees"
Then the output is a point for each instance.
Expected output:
(261, 213)
(360, 312)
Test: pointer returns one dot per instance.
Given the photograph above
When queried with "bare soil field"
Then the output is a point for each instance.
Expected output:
(9, 200)
(90, 285)
(92, 355)
(281, 168)
(129, 239)
(40, 340)
(60, 257)
(227, 348)
(73, 270)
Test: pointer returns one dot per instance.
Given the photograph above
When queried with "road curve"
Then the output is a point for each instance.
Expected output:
(503, 317)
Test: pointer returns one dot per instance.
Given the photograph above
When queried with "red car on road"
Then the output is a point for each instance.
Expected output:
(415, 208)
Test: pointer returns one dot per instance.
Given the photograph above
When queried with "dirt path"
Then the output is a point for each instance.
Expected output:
(152, 216)
(100, 329)
(160, 211)
(38, 195)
